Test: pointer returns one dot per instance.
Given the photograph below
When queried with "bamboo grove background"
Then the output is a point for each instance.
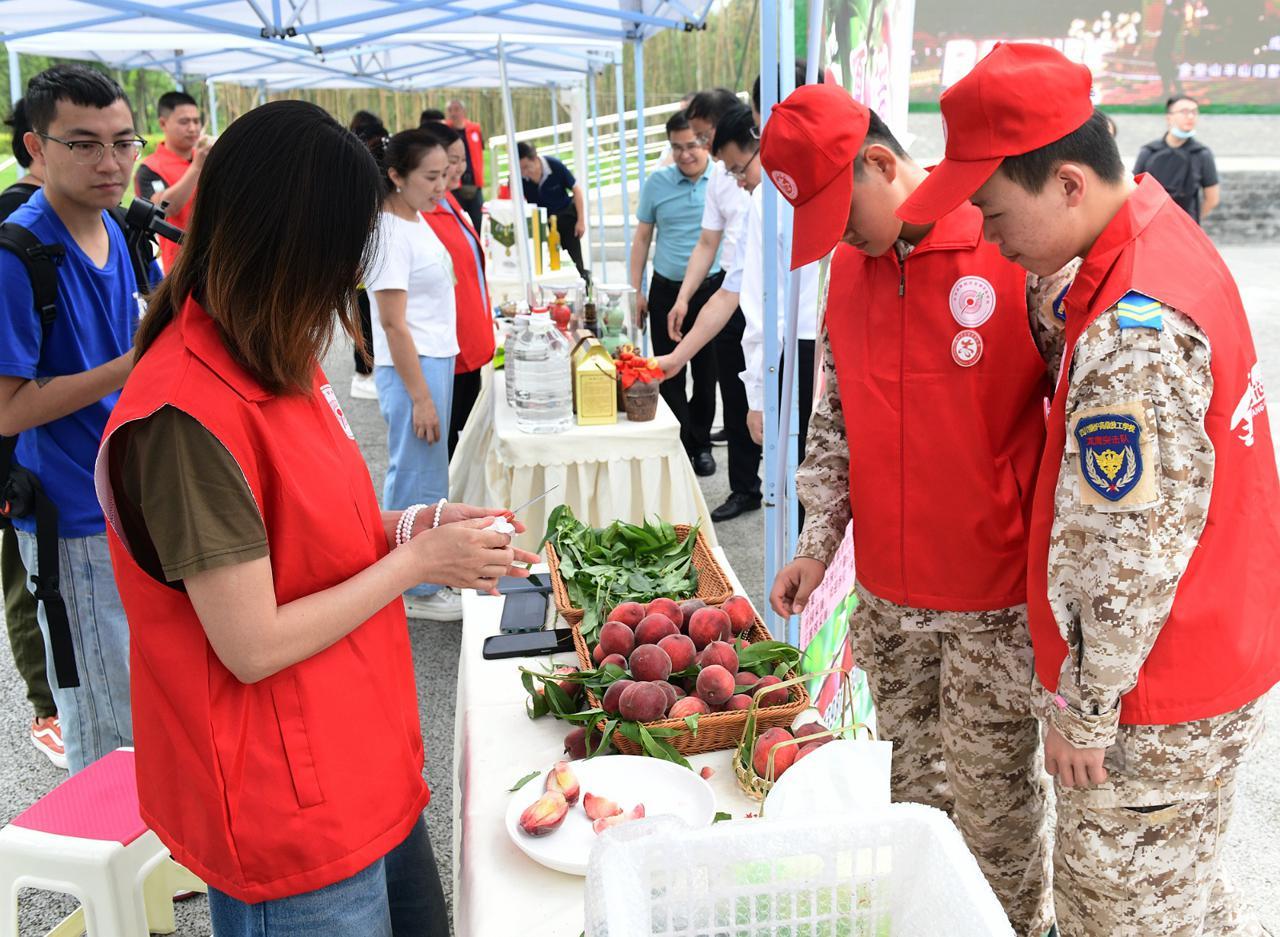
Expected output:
(726, 53)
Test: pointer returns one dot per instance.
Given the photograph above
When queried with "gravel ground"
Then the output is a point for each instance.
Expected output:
(1251, 854)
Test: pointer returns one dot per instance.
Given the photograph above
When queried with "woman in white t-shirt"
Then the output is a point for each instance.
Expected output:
(410, 284)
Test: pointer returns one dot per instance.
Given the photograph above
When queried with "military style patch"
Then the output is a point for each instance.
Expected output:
(1058, 312)
(1110, 453)
(1138, 311)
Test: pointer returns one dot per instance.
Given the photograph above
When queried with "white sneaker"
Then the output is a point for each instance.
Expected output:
(445, 605)
(363, 387)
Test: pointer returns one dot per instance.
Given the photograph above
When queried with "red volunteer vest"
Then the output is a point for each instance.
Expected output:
(474, 137)
(943, 445)
(475, 320)
(170, 167)
(310, 775)
(1220, 646)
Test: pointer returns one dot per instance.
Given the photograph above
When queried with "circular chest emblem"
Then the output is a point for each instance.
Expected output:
(966, 348)
(786, 185)
(973, 300)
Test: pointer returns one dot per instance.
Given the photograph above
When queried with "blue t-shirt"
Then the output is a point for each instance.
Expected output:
(673, 203)
(97, 316)
(554, 191)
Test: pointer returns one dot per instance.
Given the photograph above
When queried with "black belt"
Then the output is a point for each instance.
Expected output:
(715, 280)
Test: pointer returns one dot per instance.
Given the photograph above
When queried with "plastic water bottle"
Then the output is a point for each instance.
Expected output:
(518, 326)
(544, 385)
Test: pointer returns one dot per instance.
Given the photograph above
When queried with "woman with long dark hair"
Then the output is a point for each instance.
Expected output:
(279, 754)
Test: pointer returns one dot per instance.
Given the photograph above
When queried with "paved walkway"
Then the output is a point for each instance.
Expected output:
(1251, 854)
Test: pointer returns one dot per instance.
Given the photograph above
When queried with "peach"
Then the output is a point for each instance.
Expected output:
(715, 684)
(808, 747)
(670, 691)
(610, 702)
(635, 813)
(767, 696)
(741, 615)
(666, 607)
(654, 628)
(680, 693)
(746, 680)
(573, 688)
(738, 701)
(575, 743)
(707, 625)
(545, 814)
(615, 659)
(707, 773)
(616, 638)
(810, 728)
(681, 651)
(561, 778)
(687, 608)
(649, 662)
(629, 613)
(784, 756)
(597, 654)
(642, 702)
(688, 706)
(598, 807)
(719, 652)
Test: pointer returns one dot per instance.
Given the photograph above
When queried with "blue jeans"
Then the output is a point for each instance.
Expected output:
(95, 716)
(398, 896)
(417, 471)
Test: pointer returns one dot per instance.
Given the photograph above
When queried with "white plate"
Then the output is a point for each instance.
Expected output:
(664, 788)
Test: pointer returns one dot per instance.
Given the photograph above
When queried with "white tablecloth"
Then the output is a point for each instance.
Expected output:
(497, 890)
(628, 471)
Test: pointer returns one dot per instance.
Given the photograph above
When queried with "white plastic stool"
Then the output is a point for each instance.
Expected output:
(86, 838)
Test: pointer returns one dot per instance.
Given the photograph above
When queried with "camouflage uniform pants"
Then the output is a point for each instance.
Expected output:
(952, 692)
(1138, 855)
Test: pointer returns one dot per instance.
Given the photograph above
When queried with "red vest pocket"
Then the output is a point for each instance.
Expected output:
(297, 746)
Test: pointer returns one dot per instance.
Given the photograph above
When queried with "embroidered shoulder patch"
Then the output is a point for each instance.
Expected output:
(1138, 311)
(1057, 304)
(1110, 453)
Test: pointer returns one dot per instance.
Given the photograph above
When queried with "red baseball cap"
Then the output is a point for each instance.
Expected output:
(1021, 97)
(808, 147)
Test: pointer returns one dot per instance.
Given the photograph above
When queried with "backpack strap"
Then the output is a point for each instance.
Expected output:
(41, 261)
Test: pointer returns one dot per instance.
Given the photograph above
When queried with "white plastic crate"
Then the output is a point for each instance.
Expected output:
(902, 871)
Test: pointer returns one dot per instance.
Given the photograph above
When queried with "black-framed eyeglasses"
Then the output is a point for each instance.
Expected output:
(89, 152)
(742, 173)
(678, 148)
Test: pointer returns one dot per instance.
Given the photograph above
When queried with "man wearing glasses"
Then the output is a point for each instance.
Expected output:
(1180, 162)
(59, 382)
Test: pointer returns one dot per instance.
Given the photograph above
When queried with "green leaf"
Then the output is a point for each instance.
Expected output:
(692, 722)
(659, 749)
(524, 780)
(721, 816)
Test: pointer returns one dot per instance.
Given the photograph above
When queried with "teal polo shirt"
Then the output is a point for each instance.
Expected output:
(673, 203)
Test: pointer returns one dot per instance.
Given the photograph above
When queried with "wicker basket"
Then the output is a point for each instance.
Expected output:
(716, 731)
(713, 584)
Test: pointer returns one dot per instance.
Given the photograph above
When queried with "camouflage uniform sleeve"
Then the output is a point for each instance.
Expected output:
(1130, 505)
(1044, 304)
(822, 480)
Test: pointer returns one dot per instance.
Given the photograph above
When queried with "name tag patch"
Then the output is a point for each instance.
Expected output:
(336, 407)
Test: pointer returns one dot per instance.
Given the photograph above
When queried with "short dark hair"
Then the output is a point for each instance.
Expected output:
(527, 151)
(677, 122)
(442, 132)
(361, 120)
(78, 84)
(1092, 145)
(170, 101)
(802, 72)
(402, 152)
(878, 132)
(20, 125)
(711, 105)
(431, 115)
(272, 278)
(738, 126)
(1168, 105)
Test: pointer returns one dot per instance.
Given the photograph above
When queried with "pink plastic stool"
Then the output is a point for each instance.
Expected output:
(85, 838)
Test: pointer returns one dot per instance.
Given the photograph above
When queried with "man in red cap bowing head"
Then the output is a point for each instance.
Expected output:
(928, 435)
(1154, 541)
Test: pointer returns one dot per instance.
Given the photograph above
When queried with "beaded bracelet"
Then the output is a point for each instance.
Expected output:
(439, 510)
(404, 527)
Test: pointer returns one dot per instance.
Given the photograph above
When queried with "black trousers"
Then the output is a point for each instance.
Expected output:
(805, 350)
(366, 332)
(466, 388)
(566, 224)
(744, 454)
(471, 205)
(697, 411)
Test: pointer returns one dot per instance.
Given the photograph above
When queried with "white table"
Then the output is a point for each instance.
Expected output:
(628, 471)
(497, 890)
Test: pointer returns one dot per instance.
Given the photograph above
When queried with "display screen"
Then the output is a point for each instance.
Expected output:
(1140, 51)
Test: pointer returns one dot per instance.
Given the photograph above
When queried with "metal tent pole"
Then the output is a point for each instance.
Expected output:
(578, 146)
(639, 50)
(262, 91)
(523, 258)
(213, 106)
(622, 167)
(599, 254)
(769, 240)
